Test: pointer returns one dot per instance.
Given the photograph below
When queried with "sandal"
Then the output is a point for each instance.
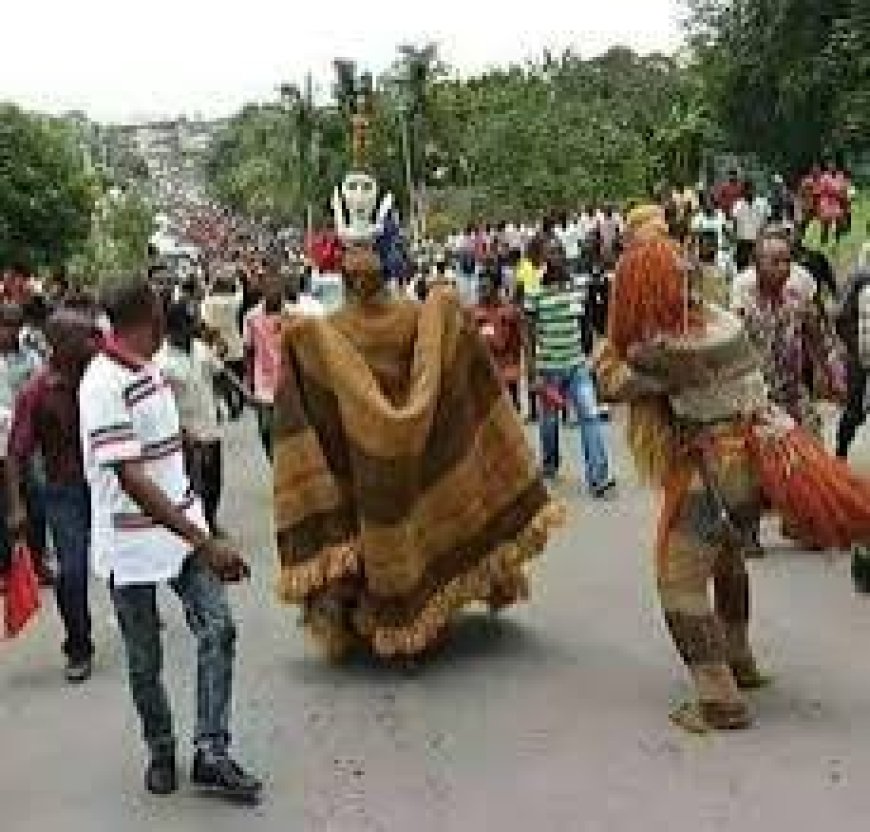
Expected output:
(703, 717)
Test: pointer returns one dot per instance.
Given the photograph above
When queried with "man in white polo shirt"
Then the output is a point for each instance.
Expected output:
(147, 528)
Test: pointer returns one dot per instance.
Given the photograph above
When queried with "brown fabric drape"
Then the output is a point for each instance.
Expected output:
(403, 481)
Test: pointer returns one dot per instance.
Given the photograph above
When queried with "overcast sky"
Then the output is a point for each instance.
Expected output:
(128, 59)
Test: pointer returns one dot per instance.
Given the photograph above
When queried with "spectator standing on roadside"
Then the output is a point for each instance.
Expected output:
(148, 528)
(46, 423)
(219, 312)
(750, 213)
(17, 365)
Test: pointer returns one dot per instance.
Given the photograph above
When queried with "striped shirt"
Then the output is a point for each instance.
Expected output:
(128, 413)
(556, 313)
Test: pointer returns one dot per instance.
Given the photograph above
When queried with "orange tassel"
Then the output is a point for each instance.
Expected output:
(814, 492)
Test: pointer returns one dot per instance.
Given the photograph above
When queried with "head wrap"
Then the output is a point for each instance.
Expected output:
(647, 220)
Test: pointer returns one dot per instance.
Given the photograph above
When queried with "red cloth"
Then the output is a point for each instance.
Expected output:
(501, 328)
(324, 249)
(46, 417)
(22, 593)
(15, 288)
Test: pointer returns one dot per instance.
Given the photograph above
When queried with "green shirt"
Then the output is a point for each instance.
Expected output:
(556, 313)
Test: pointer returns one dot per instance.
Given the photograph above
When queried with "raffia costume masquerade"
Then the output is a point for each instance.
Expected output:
(701, 428)
(404, 486)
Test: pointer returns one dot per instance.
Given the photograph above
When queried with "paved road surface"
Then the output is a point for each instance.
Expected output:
(550, 719)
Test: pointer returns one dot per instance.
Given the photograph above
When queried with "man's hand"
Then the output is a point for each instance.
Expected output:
(18, 535)
(224, 560)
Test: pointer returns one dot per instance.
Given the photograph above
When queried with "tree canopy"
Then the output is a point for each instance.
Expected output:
(46, 193)
(121, 227)
(788, 79)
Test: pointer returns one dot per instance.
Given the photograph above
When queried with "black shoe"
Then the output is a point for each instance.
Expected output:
(223, 777)
(861, 569)
(605, 491)
(161, 777)
(78, 670)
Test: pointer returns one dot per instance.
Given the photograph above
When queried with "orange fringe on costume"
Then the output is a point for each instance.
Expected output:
(816, 493)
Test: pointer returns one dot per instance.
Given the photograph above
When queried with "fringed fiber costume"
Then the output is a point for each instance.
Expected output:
(701, 427)
(404, 486)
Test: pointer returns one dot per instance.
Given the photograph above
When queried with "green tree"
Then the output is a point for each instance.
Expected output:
(121, 227)
(788, 78)
(46, 194)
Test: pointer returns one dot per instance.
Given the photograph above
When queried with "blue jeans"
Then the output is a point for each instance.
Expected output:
(210, 620)
(68, 513)
(579, 388)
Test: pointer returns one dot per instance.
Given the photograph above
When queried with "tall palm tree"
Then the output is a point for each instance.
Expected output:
(416, 71)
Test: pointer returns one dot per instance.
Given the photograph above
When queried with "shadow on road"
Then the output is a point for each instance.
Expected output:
(478, 638)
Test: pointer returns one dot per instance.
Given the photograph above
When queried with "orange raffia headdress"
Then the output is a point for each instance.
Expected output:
(649, 298)
(650, 292)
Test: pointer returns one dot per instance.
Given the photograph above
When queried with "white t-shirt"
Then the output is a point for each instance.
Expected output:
(569, 238)
(750, 218)
(220, 312)
(128, 412)
(586, 226)
(717, 224)
(609, 229)
(191, 376)
(514, 237)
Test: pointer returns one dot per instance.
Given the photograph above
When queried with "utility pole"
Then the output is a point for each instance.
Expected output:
(308, 172)
(409, 179)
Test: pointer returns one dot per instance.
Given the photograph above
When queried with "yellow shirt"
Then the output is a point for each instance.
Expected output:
(529, 276)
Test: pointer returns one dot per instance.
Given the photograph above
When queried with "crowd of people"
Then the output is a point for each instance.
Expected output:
(113, 410)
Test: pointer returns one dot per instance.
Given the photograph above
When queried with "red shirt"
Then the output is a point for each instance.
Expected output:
(501, 329)
(46, 418)
(727, 195)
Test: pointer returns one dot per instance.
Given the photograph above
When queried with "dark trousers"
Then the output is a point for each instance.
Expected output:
(743, 252)
(229, 392)
(5, 539)
(513, 388)
(210, 620)
(265, 420)
(533, 404)
(853, 414)
(68, 512)
(205, 467)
